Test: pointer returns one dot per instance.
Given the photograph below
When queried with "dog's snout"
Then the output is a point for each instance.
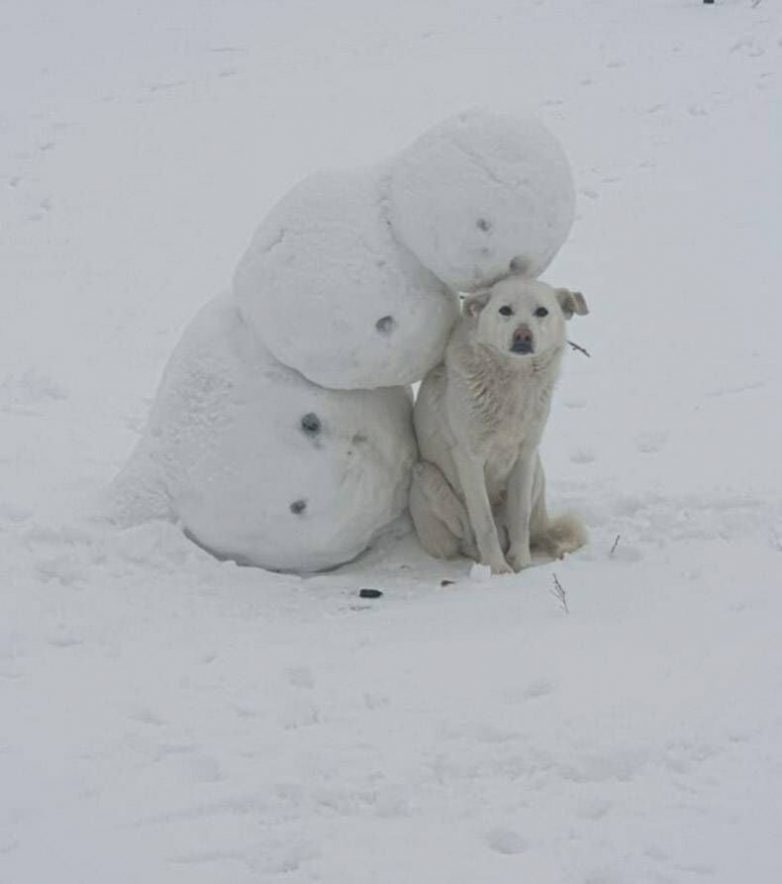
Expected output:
(523, 341)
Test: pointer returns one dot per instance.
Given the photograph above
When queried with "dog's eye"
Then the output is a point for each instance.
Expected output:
(541, 311)
(506, 311)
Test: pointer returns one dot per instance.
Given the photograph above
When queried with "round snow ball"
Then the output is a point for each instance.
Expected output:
(331, 293)
(480, 191)
(258, 464)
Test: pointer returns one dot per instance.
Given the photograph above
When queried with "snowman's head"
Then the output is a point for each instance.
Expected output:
(521, 317)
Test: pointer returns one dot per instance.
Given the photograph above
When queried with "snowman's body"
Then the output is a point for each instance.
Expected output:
(281, 435)
(333, 294)
(260, 465)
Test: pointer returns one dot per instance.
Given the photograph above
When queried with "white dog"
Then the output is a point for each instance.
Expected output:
(479, 487)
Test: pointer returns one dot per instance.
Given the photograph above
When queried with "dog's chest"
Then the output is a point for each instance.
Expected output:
(499, 466)
(507, 414)
(513, 426)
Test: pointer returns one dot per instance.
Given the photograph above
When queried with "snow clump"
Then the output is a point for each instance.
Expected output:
(258, 464)
(481, 191)
(331, 293)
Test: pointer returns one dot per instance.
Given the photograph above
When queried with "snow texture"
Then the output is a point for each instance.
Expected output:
(258, 464)
(479, 191)
(168, 718)
(332, 294)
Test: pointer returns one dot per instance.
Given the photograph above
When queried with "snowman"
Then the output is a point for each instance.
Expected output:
(281, 434)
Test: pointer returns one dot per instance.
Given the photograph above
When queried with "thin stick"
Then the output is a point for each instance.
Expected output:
(580, 349)
(559, 594)
(616, 544)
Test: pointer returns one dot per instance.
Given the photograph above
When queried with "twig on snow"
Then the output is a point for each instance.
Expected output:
(558, 591)
(580, 349)
(616, 544)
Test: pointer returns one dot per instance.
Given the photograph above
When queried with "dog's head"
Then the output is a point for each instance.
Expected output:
(522, 317)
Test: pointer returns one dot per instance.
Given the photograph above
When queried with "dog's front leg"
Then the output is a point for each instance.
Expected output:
(473, 482)
(519, 509)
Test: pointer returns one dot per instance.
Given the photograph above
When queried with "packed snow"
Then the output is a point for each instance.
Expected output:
(331, 292)
(167, 717)
(480, 192)
(258, 464)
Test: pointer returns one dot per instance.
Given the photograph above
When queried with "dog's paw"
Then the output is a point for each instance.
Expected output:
(519, 559)
(499, 566)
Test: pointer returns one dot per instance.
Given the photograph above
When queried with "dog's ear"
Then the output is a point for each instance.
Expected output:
(473, 304)
(571, 302)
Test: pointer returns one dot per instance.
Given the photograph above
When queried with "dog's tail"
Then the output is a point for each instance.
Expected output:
(559, 536)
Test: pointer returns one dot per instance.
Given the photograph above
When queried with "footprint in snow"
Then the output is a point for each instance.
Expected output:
(203, 769)
(297, 713)
(534, 690)
(227, 50)
(300, 677)
(592, 808)
(506, 841)
(651, 443)
(147, 716)
(540, 688)
(582, 456)
(65, 640)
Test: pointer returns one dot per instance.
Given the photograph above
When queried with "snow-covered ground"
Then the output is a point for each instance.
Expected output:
(169, 718)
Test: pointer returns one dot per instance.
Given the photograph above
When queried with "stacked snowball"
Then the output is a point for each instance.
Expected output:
(281, 435)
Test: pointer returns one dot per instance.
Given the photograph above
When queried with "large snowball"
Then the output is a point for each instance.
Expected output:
(260, 465)
(332, 294)
(478, 191)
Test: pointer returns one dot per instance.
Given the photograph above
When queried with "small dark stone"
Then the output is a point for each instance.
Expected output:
(447, 582)
(310, 423)
(385, 325)
(483, 224)
(369, 593)
(298, 507)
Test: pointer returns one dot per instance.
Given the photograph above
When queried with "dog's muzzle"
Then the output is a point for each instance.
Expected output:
(523, 341)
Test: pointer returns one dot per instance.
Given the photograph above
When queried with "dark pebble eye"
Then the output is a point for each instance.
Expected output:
(385, 325)
(310, 423)
(541, 311)
(506, 311)
(298, 507)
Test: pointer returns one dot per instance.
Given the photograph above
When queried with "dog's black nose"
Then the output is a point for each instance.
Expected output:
(522, 340)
